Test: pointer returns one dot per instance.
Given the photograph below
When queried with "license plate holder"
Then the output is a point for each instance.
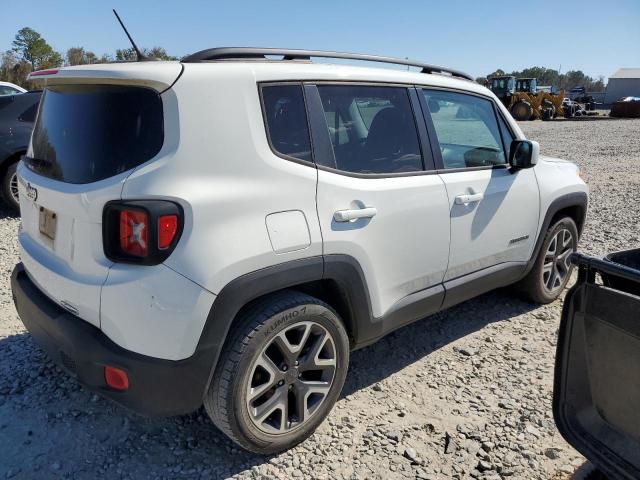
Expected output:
(48, 223)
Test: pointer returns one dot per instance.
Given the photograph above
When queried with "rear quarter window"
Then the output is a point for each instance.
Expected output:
(286, 120)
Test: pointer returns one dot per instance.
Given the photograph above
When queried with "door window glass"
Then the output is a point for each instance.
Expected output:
(372, 129)
(467, 129)
(6, 90)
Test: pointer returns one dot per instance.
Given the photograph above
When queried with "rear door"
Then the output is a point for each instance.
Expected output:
(87, 139)
(379, 200)
(494, 211)
(597, 377)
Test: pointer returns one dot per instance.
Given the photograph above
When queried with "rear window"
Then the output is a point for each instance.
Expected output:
(86, 133)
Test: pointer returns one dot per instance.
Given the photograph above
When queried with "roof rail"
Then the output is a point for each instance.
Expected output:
(242, 53)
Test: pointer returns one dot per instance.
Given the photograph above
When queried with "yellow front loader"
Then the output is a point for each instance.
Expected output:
(523, 100)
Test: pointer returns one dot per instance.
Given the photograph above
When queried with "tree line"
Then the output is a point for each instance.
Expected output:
(30, 51)
(548, 76)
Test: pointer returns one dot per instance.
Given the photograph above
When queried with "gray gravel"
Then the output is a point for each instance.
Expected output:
(466, 393)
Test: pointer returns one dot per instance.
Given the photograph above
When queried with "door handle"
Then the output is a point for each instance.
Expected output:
(469, 198)
(348, 215)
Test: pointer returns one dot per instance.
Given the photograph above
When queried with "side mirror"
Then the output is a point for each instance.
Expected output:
(523, 154)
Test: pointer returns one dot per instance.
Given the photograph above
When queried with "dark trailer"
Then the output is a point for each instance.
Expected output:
(596, 401)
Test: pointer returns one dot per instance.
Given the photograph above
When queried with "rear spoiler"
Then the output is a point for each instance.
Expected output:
(156, 75)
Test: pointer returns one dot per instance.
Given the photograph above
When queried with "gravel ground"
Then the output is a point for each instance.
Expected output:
(466, 393)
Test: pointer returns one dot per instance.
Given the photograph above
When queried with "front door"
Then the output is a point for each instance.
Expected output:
(494, 211)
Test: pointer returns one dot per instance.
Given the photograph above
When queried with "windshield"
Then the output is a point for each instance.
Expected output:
(85, 133)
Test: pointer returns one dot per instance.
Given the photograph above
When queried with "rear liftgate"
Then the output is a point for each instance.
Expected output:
(596, 401)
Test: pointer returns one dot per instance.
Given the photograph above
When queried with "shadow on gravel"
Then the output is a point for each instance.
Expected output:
(51, 427)
(6, 212)
(409, 344)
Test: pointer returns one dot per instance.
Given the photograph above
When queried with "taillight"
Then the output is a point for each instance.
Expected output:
(141, 231)
(134, 225)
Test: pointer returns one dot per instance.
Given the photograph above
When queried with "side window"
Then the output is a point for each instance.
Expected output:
(372, 129)
(467, 129)
(286, 120)
(7, 90)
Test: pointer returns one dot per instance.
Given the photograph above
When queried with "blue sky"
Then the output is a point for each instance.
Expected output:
(476, 37)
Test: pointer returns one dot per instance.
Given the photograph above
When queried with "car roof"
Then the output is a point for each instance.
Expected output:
(9, 84)
(264, 71)
(274, 71)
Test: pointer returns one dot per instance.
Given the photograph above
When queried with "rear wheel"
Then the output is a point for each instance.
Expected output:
(522, 110)
(552, 268)
(280, 373)
(10, 187)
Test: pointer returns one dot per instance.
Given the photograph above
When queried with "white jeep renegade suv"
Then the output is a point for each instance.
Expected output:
(225, 229)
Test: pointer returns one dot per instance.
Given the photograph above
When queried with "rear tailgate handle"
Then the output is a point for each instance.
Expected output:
(348, 215)
(470, 198)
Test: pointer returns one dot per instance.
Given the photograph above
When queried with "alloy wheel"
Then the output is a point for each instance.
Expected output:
(291, 377)
(13, 187)
(557, 260)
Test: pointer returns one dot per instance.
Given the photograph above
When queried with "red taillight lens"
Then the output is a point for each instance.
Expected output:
(116, 378)
(167, 228)
(134, 228)
(142, 232)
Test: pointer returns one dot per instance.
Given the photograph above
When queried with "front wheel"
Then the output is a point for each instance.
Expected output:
(552, 268)
(9, 187)
(280, 373)
(522, 111)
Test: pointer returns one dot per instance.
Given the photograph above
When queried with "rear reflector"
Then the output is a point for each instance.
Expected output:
(134, 225)
(116, 378)
(167, 228)
(50, 71)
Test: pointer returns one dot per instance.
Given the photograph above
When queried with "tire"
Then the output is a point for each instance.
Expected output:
(9, 187)
(251, 376)
(568, 111)
(522, 110)
(536, 285)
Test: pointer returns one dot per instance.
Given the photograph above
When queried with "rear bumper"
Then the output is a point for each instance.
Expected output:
(156, 386)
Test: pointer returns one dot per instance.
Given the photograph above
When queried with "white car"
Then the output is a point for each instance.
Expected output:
(7, 88)
(225, 229)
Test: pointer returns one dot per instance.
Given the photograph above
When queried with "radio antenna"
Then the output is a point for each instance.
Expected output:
(140, 56)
